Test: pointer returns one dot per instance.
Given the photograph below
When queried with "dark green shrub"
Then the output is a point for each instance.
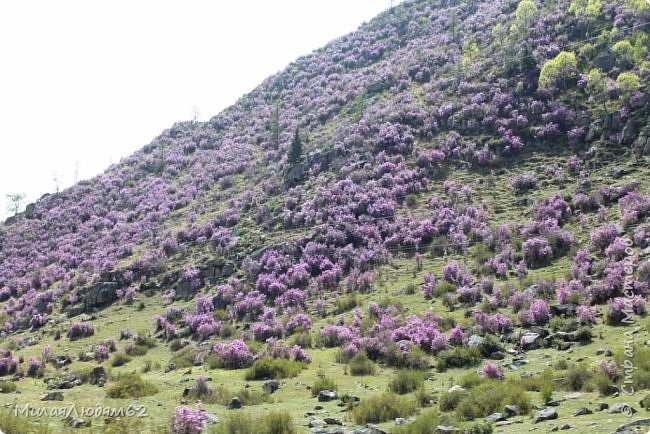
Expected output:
(147, 341)
(235, 423)
(7, 387)
(360, 364)
(490, 397)
(227, 331)
(276, 422)
(406, 381)
(304, 340)
(578, 376)
(184, 358)
(323, 383)
(583, 335)
(136, 350)
(347, 303)
(381, 408)
(479, 428)
(131, 386)
(450, 400)
(443, 288)
(426, 423)
(458, 358)
(470, 380)
(414, 359)
(120, 359)
(490, 345)
(267, 368)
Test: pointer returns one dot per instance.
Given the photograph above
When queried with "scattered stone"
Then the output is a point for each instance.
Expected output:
(574, 395)
(623, 407)
(582, 411)
(554, 428)
(566, 426)
(271, 386)
(494, 417)
(186, 391)
(77, 422)
(474, 341)
(315, 423)
(327, 395)
(97, 376)
(526, 374)
(602, 406)
(498, 355)
(443, 429)
(530, 341)
(368, 429)
(544, 415)
(170, 367)
(608, 352)
(563, 346)
(211, 419)
(235, 403)
(504, 423)
(636, 423)
(318, 407)
(553, 403)
(457, 388)
(333, 421)
(53, 396)
(510, 411)
(400, 421)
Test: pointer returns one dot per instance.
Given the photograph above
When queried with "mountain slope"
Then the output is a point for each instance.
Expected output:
(460, 164)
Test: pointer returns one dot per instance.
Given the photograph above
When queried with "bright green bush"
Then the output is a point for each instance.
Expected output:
(406, 381)
(131, 386)
(267, 368)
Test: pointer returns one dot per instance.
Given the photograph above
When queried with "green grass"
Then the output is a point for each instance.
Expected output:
(383, 407)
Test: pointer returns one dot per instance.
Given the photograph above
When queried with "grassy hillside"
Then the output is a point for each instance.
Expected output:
(441, 216)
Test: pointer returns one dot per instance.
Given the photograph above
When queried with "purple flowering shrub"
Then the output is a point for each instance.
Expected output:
(233, 355)
(537, 251)
(490, 370)
(188, 421)
(80, 330)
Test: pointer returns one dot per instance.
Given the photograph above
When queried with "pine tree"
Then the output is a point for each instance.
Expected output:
(295, 151)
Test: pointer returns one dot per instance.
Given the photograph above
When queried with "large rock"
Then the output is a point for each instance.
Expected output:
(544, 415)
(445, 429)
(631, 425)
(327, 395)
(77, 422)
(474, 341)
(52, 396)
(494, 417)
(235, 403)
(271, 386)
(530, 341)
(510, 410)
(623, 407)
(582, 411)
(97, 376)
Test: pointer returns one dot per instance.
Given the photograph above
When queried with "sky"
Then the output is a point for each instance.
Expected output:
(86, 83)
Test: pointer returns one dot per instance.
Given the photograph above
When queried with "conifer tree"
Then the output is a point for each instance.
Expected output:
(295, 151)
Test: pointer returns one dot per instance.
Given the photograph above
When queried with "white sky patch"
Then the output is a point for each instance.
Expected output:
(83, 83)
